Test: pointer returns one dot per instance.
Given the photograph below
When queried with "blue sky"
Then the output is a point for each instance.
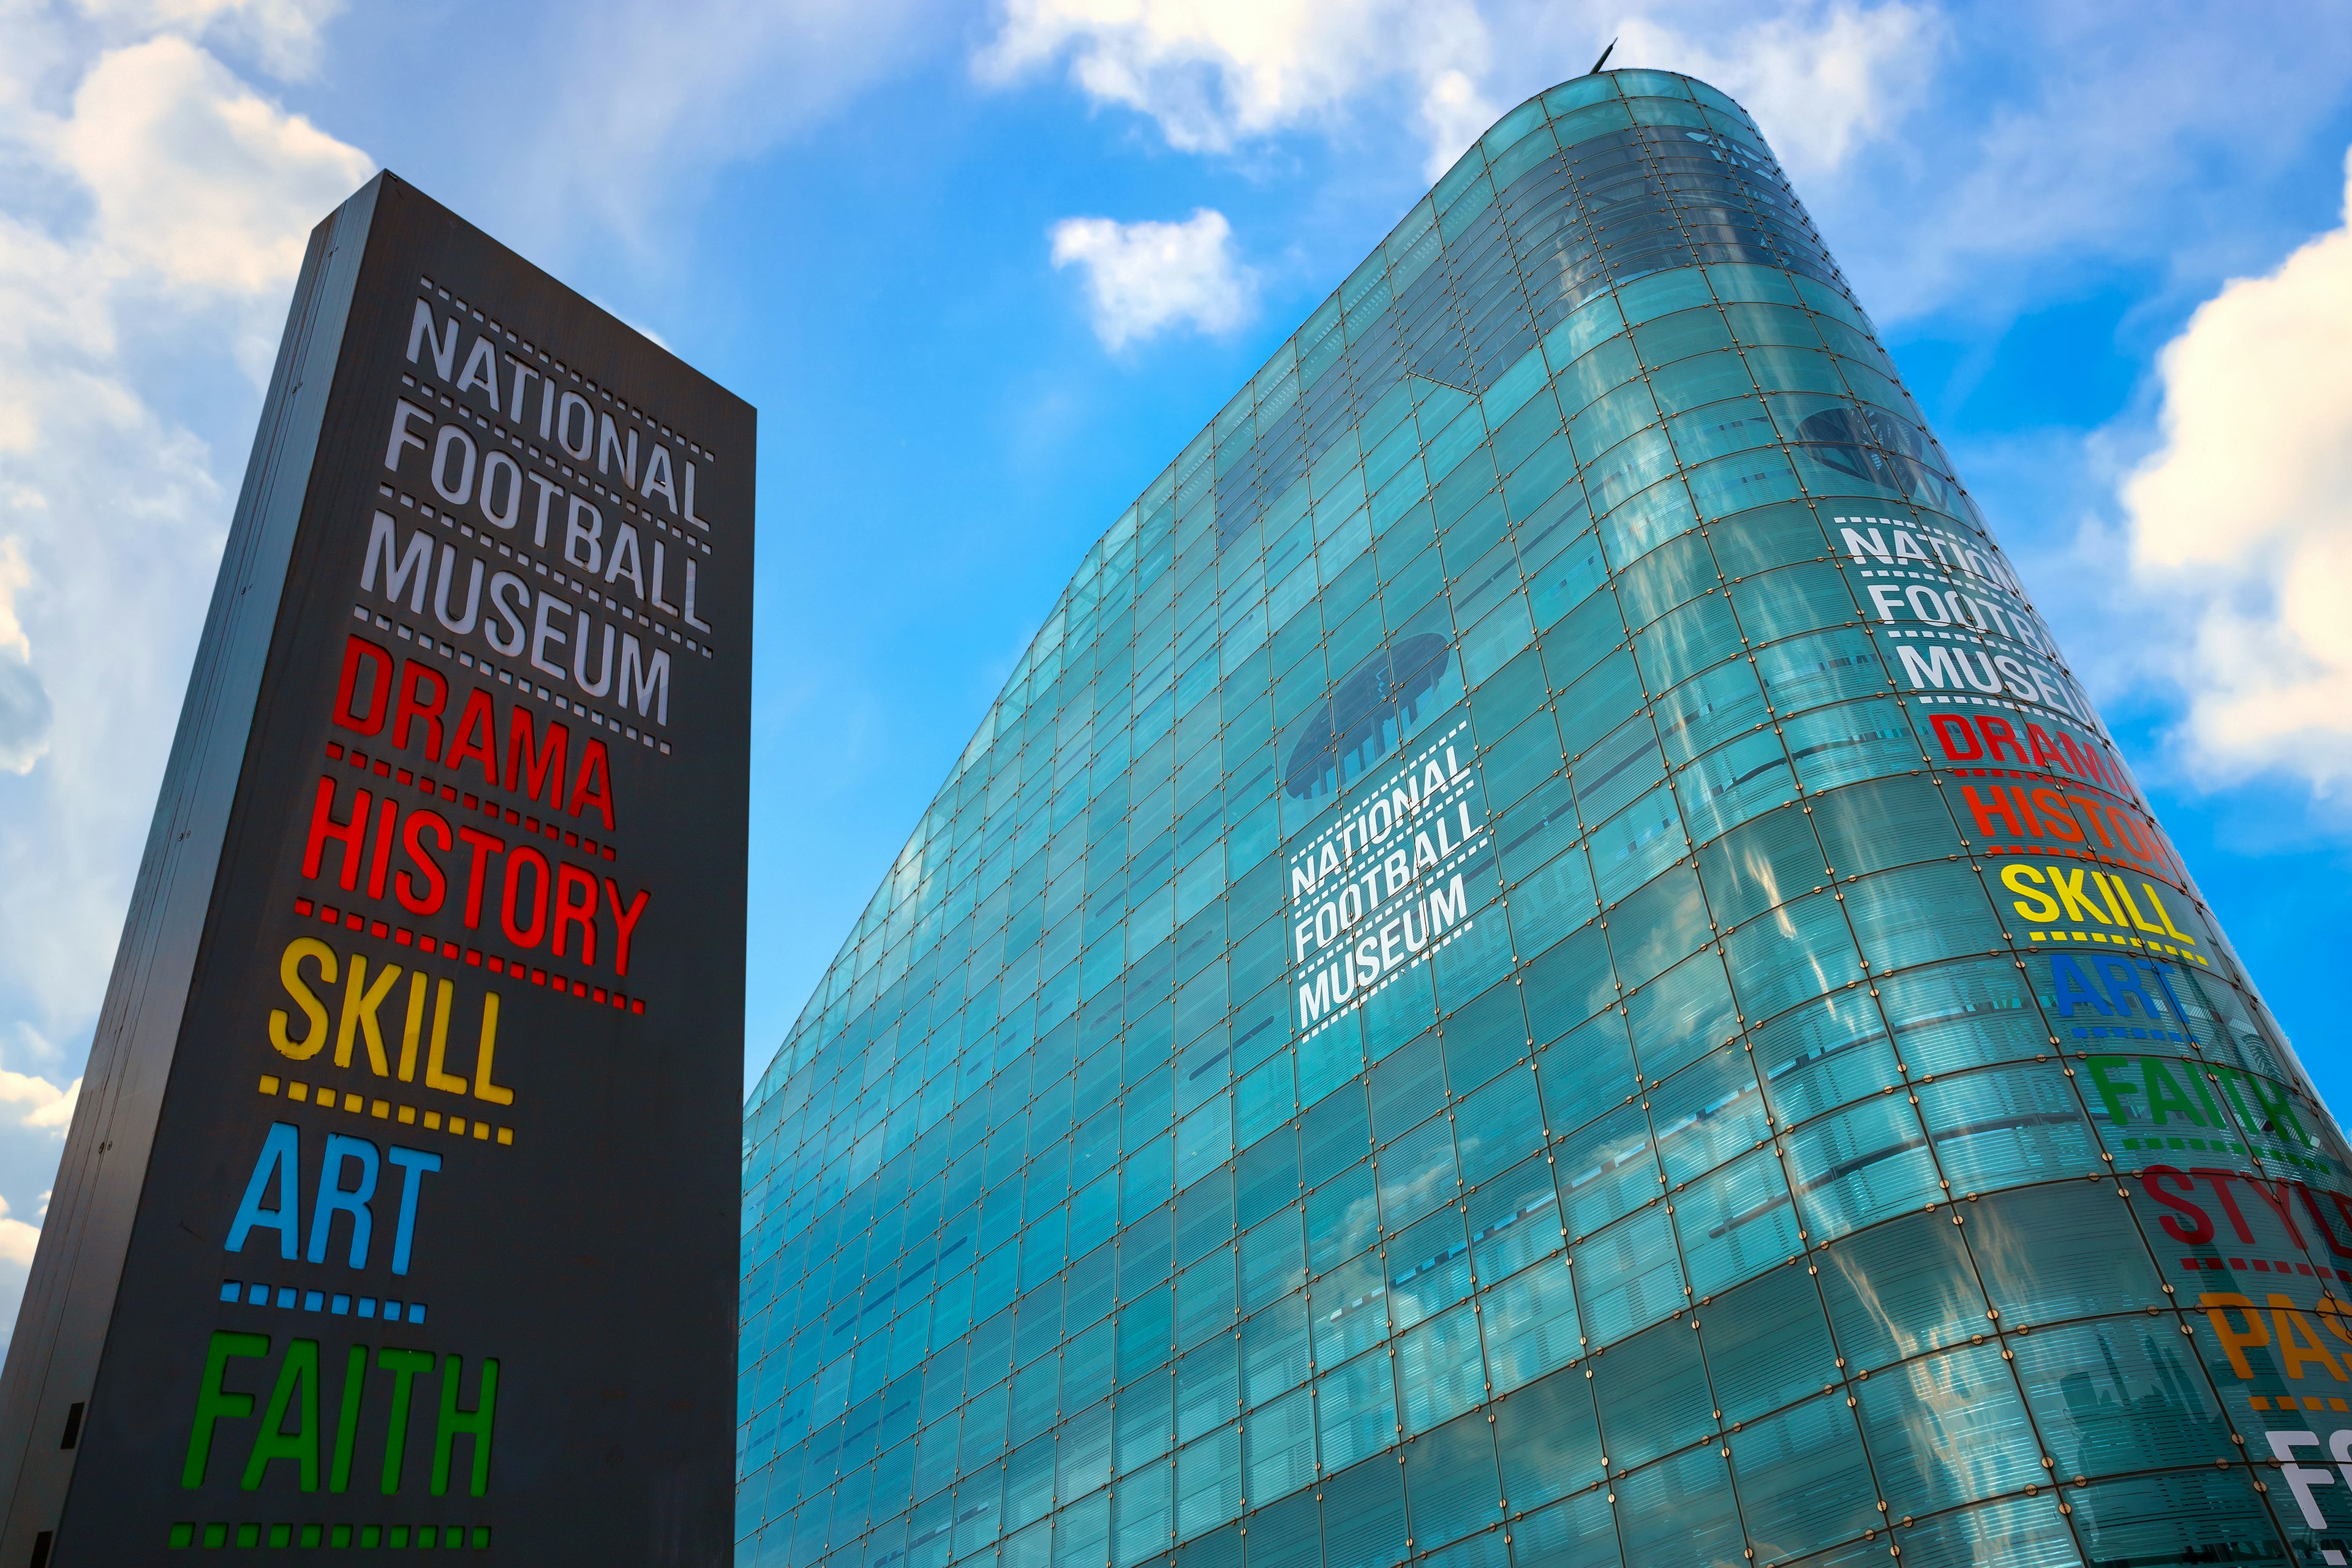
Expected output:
(984, 267)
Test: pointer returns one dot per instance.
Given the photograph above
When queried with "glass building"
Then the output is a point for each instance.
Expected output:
(1543, 964)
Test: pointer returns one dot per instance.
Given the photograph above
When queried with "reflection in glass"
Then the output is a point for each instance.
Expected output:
(1794, 1148)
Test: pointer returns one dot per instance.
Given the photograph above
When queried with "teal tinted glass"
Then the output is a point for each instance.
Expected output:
(1543, 962)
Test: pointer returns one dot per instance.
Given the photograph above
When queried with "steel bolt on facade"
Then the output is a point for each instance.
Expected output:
(1543, 963)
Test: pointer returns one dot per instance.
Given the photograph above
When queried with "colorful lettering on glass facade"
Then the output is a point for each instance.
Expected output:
(1545, 961)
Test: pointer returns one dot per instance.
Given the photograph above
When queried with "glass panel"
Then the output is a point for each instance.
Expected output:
(1653, 1394)
(1355, 1410)
(1279, 1445)
(1577, 1533)
(1947, 1429)
(1627, 1277)
(1605, 1170)
(2061, 1250)
(1962, 1015)
(1736, 1222)
(1451, 1485)
(1767, 1344)
(1855, 1167)
(1350, 1308)
(1902, 1289)
(1440, 1369)
(1428, 1267)
(1273, 1351)
(1804, 1482)
(1548, 1439)
(1833, 746)
(2180, 1517)
(1364, 1522)
(1530, 1325)
(1734, 783)
(2004, 1126)
(2028, 1531)
(2115, 1396)
(1707, 1113)
(1800, 950)
(1679, 1511)
(1209, 1482)
(1709, 709)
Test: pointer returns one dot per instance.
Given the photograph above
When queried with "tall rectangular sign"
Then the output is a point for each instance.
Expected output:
(399, 1207)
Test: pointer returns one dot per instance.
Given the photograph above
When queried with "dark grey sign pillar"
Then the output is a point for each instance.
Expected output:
(399, 1209)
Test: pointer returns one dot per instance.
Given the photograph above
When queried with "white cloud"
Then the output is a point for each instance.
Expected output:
(1453, 114)
(632, 323)
(2053, 141)
(2242, 517)
(1145, 278)
(1820, 80)
(649, 100)
(285, 35)
(1823, 78)
(1959, 157)
(17, 1241)
(13, 579)
(44, 1105)
(148, 197)
(198, 182)
(25, 710)
(1216, 73)
(153, 214)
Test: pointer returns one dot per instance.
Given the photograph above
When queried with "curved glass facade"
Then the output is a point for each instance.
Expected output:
(1542, 963)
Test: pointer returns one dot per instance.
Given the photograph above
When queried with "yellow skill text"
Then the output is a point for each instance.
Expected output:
(2082, 903)
(365, 1007)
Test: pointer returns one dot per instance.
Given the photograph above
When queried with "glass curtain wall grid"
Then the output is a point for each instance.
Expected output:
(1542, 963)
